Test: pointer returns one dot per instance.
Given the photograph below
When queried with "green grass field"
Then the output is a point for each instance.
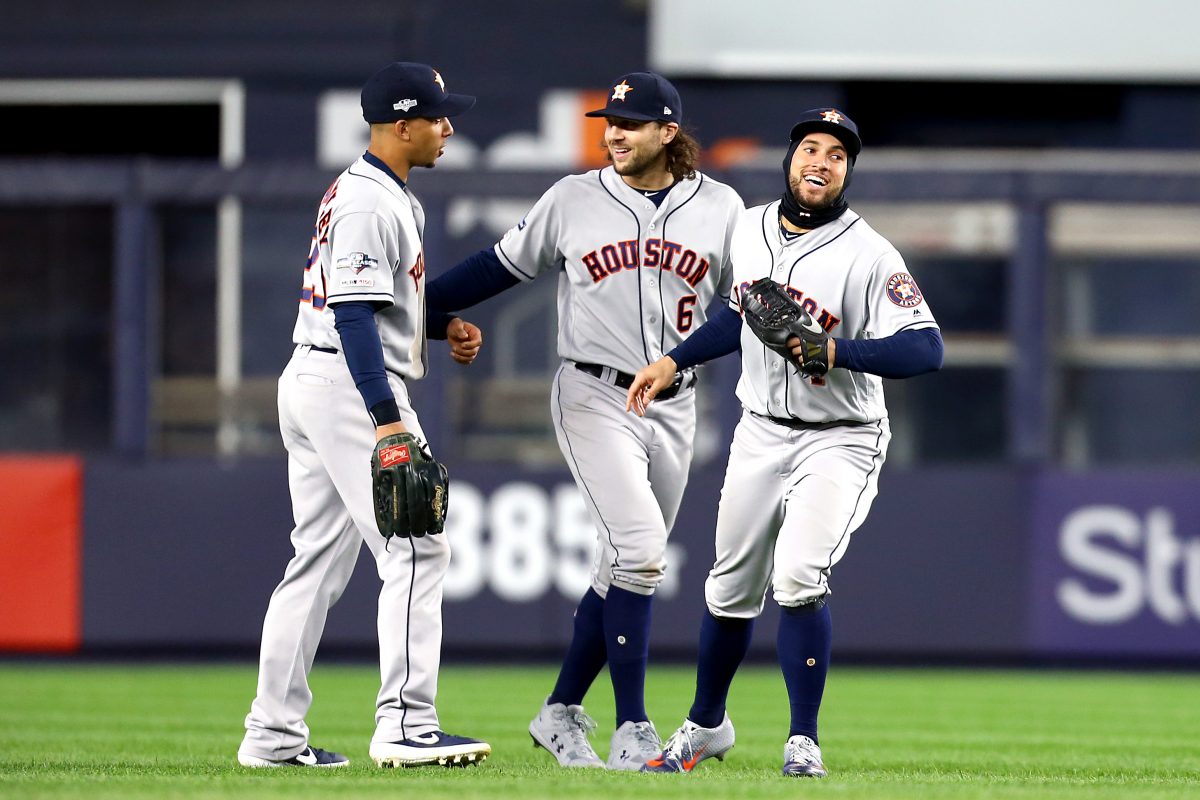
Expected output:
(101, 731)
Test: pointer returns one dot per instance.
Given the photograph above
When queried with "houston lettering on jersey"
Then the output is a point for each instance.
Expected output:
(660, 253)
(825, 319)
(417, 271)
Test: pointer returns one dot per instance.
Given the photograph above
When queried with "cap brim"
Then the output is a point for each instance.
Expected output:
(604, 112)
(451, 105)
(843, 134)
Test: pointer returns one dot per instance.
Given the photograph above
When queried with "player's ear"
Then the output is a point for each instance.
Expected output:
(400, 128)
(669, 129)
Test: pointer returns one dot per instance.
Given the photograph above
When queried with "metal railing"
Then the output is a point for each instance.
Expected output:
(1036, 197)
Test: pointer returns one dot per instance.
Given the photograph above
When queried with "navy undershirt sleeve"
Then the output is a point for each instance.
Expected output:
(355, 323)
(901, 355)
(436, 323)
(718, 336)
(471, 281)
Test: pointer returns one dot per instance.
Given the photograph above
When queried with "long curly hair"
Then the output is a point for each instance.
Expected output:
(683, 152)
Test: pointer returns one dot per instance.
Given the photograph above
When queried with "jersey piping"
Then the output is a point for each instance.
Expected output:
(638, 222)
(875, 465)
(662, 330)
(578, 471)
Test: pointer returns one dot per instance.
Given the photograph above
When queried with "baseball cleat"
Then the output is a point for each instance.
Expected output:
(308, 757)
(692, 744)
(802, 758)
(563, 730)
(433, 748)
(633, 744)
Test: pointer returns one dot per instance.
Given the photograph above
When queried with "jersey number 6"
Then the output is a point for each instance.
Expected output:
(685, 315)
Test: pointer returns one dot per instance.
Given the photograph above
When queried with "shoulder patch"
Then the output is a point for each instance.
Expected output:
(902, 290)
(357, 262)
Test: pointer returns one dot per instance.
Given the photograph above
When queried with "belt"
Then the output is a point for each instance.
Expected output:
(623, 380)
(329, 350)
(801, 425)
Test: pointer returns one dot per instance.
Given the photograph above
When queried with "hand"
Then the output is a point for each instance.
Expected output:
(387, 430)
(465, 340)
(650, 380)
(797, 348)
(410, 491)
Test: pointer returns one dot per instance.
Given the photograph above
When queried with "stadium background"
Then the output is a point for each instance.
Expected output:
(158, 175)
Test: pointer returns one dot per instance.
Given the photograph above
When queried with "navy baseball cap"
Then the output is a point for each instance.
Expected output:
(403, 90)
(642, 96)
(833, 122)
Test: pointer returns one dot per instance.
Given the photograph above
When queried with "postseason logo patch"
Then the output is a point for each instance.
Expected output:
(902, 290)
(357, 262)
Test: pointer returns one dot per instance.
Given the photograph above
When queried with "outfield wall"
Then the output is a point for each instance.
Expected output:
(990, 563)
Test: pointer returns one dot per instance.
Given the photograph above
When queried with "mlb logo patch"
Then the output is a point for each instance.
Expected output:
(394, 454)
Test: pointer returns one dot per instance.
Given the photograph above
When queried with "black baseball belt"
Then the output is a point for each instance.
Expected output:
(623, 380)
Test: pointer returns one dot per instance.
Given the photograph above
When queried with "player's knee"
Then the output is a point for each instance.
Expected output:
(792, 591)
(636, 588)
(642, 579)
(730, 601)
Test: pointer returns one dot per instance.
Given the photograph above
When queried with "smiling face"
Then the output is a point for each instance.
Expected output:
(818, 171)
(638, 149)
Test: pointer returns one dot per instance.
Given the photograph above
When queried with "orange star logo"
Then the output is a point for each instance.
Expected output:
(832, 116)
(620, 90)
(437, 78)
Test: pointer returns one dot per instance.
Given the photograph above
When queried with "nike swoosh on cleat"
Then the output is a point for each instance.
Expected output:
(426, 738)
(307, 757)
(688, 763)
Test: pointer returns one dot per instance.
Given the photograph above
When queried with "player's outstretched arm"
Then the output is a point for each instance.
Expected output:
(650, 380)
(465, 340)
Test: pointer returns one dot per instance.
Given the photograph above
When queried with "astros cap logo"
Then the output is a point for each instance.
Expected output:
(832, 116)
(620, 90)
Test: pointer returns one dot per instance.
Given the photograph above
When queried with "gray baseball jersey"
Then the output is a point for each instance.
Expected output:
(634, 280)
(852, 281)
(805, 459)
(366, 246)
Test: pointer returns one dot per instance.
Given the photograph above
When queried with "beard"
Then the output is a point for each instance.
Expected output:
(828, 200)
(639, 163)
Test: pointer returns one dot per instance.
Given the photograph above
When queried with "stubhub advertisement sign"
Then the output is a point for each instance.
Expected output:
(1116, 565)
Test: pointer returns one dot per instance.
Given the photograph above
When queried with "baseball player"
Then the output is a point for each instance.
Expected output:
(805, 459)
(640, 248)
(360, 334)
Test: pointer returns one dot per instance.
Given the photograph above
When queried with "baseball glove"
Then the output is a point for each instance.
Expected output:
(410, 489)
(775, 317)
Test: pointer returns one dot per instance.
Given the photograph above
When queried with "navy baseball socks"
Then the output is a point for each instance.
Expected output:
(615, 629)
(586, 654)
(707, 732)
(804, 644)
(627, 639)
(723, 644)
